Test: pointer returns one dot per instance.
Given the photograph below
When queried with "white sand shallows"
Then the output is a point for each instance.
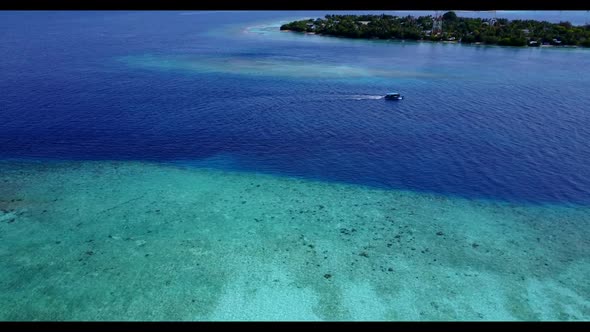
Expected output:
(133, 241)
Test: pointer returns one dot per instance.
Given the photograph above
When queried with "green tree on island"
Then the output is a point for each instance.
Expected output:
(455, 29)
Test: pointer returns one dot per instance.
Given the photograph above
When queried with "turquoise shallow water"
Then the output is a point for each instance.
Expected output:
(136, 241)
(210, 167)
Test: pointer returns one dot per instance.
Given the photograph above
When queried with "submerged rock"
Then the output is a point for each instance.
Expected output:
(9, 217)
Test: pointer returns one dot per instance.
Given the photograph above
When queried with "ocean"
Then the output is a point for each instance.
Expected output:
(187, 165)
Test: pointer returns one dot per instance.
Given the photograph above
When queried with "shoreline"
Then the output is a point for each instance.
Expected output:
(432, 41)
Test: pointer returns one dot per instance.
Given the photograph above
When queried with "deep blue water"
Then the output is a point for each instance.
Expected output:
(488, 122)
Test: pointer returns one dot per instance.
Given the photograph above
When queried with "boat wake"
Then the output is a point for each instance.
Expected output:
(364, 97)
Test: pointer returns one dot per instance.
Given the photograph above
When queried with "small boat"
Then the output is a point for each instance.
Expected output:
(393, 96)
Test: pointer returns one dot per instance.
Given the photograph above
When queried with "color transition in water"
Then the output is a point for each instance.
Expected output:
(210, 167)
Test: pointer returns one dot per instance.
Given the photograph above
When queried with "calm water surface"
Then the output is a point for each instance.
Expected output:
(228, 90)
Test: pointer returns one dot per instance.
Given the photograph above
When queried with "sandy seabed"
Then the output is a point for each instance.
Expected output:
(139, 241)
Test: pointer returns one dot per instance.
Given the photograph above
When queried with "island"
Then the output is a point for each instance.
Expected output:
(447, 28)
